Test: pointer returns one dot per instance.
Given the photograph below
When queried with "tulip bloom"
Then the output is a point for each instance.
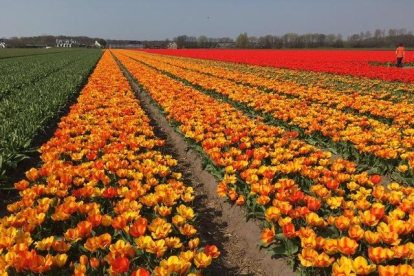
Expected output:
(211, 250)
(342, 267)
(347, 246)
(361, 266)
(307, 257)
(379, 254)
(202, 260)
(289, 230)
(139, 227)
(141, 272)
(119, 265)
(268, 235)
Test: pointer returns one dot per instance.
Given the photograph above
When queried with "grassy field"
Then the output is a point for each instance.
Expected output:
(12, 52)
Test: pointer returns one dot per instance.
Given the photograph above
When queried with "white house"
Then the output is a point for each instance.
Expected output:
(172, 45)
(3, 44)
(66, 43)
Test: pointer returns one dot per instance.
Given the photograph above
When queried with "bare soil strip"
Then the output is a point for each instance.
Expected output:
(219, 222)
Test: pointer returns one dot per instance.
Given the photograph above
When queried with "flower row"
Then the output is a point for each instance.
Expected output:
(316, 208)
(367, 135)
(352, 63)
(105, 199)
(399, 113)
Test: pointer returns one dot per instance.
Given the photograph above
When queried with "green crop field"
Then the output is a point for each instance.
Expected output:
(34, 88)
(12, 53)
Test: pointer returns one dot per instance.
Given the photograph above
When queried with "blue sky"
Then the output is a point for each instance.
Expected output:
(161, 19)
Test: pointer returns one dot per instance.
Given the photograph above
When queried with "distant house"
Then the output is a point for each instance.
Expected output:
(66, 43)
(3, 44)
(97, 44)
(172, 45)
(128, 45)
(226, 45)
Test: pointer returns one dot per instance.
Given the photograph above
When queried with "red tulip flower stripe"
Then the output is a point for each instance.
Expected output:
(353, 63)
(105, 200)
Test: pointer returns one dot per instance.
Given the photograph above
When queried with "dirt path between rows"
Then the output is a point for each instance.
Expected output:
(219, 222)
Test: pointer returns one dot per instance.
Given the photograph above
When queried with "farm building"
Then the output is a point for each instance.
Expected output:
(3, 44)
(66, 43)
(128, 45)
(226, 45)
(172, 45)
(97, 44)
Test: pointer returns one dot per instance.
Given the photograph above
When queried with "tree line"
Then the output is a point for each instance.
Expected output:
(380, 38)
(48, 40)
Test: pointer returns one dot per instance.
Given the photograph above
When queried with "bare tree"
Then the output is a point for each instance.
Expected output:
(202, 41)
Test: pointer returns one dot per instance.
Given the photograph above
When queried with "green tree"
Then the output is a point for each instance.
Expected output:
(102, 42)
(242, 41)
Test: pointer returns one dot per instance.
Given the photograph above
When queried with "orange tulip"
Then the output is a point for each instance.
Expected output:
(119, 223)
(342, 223)
(388, 270)
(119, 265)
(268, 234)
(32, 174)
(94, 262)
(371, 237)
(390, 238)
(307, 257)
(21, 185)
(342, 267)
(379, 255)
(84, 228)
(361, 267)
(95, 219)
(60, 260)
(72, 235)
(323, 260)
(289, 230)
(308, 242)
(347, 246)
(83, 260)
(202, 260)
(139, 227)
(356, 232)
(212, 251)
(60, 246)
(405, 270)
(331, 246)
(40, 264)
(241, 200)
(272, 214)
(401, 251)
(141, 272)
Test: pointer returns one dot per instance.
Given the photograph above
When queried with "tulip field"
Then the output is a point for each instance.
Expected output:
(34, 88)
(317, 146)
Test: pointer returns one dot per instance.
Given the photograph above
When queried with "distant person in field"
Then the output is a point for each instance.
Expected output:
(400, 52)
